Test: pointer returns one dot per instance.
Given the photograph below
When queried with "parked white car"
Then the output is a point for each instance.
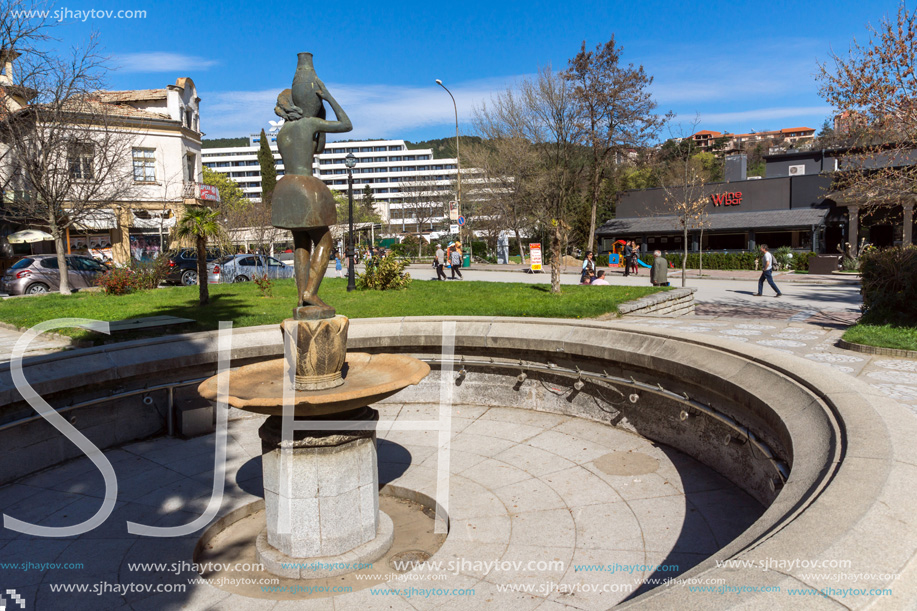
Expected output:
(243, 268)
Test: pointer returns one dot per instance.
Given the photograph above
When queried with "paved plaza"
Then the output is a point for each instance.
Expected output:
(525, 486)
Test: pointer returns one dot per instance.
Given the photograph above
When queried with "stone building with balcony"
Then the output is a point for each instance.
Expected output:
(161, 133)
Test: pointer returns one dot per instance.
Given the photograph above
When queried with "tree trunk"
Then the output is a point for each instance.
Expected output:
(202, 271)
(700, 254)
(60, 250)
(684, 259)
(556, 259)
(519, 244)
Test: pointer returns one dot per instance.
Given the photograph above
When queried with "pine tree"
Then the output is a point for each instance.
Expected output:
(268, 170)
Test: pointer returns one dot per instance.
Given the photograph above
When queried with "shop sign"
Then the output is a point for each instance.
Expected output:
(535, 256)
(726, 199)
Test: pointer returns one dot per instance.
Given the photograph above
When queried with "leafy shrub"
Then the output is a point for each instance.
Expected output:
(385, 273)
(849, 264)
(801, 260)
(264, 284)
(117, 281)
(783, 257)
(149, 274)
(889, 286)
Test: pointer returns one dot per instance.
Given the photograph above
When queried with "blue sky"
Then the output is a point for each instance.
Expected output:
(741, 65)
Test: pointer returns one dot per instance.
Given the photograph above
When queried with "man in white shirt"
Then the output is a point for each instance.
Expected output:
(767, 272)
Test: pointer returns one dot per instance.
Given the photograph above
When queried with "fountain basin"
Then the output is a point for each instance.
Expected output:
(368, 378)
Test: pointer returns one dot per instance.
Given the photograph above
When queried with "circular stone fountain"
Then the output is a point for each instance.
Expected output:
(321, 474)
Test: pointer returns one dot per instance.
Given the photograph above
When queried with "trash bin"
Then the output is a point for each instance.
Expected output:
(466, 260)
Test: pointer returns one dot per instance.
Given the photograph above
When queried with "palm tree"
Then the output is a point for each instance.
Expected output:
(200, 224)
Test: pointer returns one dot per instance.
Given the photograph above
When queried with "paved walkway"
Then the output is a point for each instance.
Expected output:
(525, 487)
(813, 339)
(43, 344)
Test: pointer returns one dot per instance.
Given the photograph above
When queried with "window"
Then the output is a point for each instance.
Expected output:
(144, 165)
(188, 118)
(192, 175)
(80, 158)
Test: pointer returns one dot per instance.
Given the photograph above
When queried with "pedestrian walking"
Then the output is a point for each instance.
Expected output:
(767, 272)
(659, 274)
(588, 266)
(628, 255)
(338, 265)
(439, 262)
(456, 260)
(635, 257)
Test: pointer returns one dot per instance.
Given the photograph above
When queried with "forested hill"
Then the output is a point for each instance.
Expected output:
(443, 148)
(219, 143)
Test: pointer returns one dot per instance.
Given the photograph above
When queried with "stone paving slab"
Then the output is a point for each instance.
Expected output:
(525, 487)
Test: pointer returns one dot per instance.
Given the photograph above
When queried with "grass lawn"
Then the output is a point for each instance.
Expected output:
(883, 336)
(243, 304)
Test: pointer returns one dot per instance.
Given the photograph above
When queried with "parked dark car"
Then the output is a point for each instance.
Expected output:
(37, 274)
(183, 265)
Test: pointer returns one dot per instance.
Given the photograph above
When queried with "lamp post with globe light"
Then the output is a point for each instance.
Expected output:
(350, 161)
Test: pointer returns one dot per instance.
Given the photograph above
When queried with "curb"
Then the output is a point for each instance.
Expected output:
(863, 348)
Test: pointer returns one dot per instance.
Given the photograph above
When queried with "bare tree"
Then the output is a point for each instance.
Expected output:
(682, 180)
(873, 91)
(542, 113)
(425, 202)
(507, 165)
(66, 151)
(616, 113)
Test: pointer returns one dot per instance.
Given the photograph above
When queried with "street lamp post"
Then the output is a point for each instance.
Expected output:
(350, 161)
(458, 162)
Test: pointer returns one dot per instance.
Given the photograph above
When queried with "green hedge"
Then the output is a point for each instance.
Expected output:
(724, 260)
(889, 286)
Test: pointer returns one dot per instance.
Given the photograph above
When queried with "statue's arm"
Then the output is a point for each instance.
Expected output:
(286, 108)
(343, 123)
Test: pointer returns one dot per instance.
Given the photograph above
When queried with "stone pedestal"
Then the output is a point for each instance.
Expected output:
(321, 491)
(320, 351)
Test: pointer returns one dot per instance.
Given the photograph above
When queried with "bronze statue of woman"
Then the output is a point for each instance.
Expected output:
(301, 202)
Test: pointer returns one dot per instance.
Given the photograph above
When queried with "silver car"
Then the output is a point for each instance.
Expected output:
(242, 268)
(37, 274)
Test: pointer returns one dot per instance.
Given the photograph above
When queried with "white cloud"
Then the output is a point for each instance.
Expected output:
(161, 62)
(756, 118)
(376, 111)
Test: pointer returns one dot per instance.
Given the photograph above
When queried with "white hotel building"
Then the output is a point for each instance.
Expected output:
(394, 172)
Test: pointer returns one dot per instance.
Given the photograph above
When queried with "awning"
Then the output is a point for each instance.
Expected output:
(802, 218)
(96, 220)
(157, 219)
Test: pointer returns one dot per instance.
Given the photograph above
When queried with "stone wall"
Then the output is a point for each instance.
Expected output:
(677, 302)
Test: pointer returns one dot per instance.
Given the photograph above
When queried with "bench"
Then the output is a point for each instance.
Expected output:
(148, 322)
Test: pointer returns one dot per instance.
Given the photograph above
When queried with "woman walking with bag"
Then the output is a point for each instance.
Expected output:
(456, 260)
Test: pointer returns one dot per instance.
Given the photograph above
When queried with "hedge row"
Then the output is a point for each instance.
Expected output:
(720, 260)
(889, 286)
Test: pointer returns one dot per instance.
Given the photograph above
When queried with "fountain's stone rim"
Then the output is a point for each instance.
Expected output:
(368, 378)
